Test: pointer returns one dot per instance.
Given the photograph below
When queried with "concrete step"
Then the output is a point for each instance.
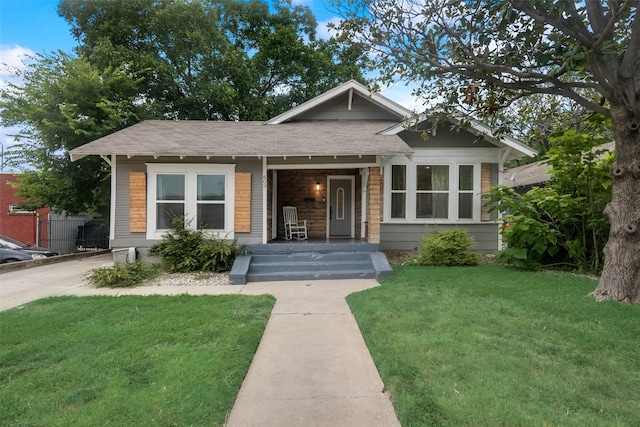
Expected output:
(307, 275)
(282, 264)
(309, 266)
(312, 257)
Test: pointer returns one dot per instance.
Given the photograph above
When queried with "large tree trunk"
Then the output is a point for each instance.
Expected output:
(620, 279)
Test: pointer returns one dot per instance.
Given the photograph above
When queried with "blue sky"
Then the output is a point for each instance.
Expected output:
(33, 26)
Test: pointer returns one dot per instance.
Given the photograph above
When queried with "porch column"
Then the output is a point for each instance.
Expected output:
(374, 205)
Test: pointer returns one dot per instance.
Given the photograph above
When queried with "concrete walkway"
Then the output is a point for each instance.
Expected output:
(312, 367)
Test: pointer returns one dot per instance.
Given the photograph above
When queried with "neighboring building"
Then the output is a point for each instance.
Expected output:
(17, 223)
(524, 178)
(346, 159)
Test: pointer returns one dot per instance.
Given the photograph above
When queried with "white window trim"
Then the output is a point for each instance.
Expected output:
(411, 191)
(190, 171)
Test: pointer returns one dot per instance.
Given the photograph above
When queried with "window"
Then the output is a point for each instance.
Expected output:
(200, 193)
(398, 191)
(420, 191)
(432, 191)
(170, 199)
(465, 192)
(211, 200)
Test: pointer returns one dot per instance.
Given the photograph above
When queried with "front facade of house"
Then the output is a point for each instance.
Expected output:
(346, 161)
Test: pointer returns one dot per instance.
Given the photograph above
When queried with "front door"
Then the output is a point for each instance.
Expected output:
(340, 207)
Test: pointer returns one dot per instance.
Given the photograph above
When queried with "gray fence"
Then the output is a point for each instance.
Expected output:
(73, 235)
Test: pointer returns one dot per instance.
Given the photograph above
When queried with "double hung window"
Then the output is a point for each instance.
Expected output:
(432, 191)
(199, 193)
(398, 191)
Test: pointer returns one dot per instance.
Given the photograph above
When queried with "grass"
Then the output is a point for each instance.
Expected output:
(490, 346)
(133, 360)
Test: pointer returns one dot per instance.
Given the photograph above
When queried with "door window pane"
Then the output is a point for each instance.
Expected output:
(340, 203)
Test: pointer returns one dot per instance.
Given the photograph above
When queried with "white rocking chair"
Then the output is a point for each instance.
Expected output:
(294, 229)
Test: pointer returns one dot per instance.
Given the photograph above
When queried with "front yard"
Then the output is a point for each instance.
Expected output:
(489, 346)
(481, 346)
(127, 361)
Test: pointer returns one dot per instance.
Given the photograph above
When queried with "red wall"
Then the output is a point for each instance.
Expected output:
(20, 226)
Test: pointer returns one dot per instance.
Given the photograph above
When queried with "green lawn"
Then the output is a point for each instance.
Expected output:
(490, 346)
(127, 361)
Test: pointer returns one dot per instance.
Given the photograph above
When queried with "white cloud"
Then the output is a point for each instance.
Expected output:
(13, 58)
(325, 33)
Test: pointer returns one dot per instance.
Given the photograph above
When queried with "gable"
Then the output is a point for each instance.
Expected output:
(349, 91)
(443, 138)
(348, 107)
(512, 148)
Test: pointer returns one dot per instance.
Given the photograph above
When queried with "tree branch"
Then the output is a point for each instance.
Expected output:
(561, 26)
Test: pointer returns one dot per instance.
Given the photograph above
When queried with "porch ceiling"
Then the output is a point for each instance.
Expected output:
(245, 139)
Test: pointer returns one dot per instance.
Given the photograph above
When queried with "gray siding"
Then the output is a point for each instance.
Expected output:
(407, 237)
(124, 238)
(338, 109)
(444, 137)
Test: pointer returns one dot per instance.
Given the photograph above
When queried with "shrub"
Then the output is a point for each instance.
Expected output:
(123, 275)
(184, 250)
(449, 248)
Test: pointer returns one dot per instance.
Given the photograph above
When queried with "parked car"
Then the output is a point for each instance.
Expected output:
(9, 255)
(16, 245)
(93, 234)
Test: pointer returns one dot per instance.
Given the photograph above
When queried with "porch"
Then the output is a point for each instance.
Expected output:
(313, 259)
(337, 203)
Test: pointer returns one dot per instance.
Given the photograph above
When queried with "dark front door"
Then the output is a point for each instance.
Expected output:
(340, 205)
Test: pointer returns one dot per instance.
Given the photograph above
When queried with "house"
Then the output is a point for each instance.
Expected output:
(16, 222)
(524, 178)
(346, 159)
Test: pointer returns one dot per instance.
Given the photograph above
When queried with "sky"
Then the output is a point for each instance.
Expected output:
(33, 26)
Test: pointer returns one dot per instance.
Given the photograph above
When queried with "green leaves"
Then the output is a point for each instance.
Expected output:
(562, 222)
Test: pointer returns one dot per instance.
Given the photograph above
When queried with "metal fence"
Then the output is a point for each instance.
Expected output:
(73, 235)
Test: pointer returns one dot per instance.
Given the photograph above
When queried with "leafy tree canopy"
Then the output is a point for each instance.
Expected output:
(160, 59)
(481, 56)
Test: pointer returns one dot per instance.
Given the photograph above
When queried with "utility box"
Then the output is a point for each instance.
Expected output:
(125, 255)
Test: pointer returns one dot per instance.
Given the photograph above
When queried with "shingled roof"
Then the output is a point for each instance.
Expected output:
(243, 139)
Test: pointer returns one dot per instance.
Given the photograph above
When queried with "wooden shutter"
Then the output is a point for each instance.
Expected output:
(242, 217)
(137, 202)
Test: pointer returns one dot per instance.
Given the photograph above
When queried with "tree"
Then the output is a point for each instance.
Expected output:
(214, 59)
(160, 59)
(66, 102)
(484, 55)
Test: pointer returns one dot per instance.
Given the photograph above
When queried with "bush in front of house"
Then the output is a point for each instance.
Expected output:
(183, 250)
(447, 248)
(123, 275)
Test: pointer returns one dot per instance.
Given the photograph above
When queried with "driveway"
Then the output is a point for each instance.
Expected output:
(21, 286)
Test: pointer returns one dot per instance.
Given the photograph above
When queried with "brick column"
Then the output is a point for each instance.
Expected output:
(374, 208)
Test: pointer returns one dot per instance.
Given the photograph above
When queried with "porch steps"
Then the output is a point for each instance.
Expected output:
(309, 261)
